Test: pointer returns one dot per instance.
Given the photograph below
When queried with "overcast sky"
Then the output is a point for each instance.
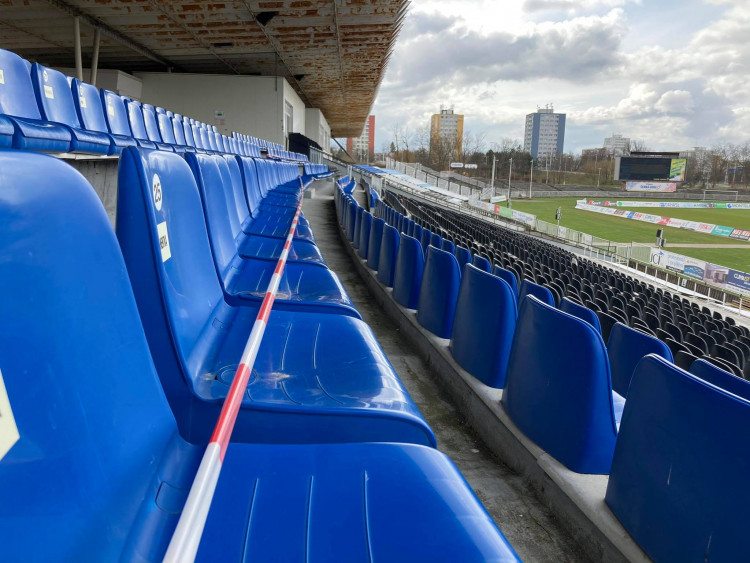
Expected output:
(673, 73)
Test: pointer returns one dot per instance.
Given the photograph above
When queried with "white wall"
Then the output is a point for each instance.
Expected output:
(314, 119)
(298, 116)
(253, 105)
(115, 80)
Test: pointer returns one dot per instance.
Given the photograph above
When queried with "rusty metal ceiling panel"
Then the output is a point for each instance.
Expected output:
(333, 52)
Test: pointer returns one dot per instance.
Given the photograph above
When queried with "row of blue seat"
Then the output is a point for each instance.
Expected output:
(42, 109)
(676, 481)
(123, 347)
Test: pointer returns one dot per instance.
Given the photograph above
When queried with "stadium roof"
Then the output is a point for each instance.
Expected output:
(333, 53)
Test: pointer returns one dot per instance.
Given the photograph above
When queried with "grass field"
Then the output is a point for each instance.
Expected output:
(618, 229)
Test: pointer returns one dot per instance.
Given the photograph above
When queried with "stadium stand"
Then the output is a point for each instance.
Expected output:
(558, 391)
(93, 421)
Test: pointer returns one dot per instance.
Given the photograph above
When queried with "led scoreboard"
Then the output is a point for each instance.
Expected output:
(650, 169)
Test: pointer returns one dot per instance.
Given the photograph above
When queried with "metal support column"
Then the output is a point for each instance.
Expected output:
(77, 47)
(95, 56)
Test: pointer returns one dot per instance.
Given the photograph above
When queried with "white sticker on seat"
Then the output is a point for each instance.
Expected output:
(8, 429)
(83, 102)
(2, 76)
(49, 92)
(111, 110)
(161, 230)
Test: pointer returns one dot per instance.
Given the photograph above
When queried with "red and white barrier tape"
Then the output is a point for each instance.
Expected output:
(187, 535)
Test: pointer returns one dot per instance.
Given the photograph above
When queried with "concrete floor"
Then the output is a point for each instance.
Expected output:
(527, 523)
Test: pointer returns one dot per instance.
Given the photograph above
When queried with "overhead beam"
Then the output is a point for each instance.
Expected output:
(110, 32)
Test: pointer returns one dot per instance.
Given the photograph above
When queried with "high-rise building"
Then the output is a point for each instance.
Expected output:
(447, 127)
(617, 145)
(363, 147)
(545, 133)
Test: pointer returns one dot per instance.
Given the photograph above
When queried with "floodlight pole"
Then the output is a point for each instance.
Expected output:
(531, 177)
(598, 177)
(510, 173)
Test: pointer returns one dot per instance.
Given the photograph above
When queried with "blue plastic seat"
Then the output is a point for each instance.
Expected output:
(373, 249)
(357, 227)
(625, 348)
(138, 126)
(509, 277)
(463, 257)
(18, 107)
(439, 292)
(722, 379)
(483, 326)
(425, 239)
(538, 291)
(558, 389)
(482, 263)
(303, 377)
(679, 476)
(586, 314)
(303, 286)
(55, 100)
(99, 464)
(88, 104)
(116, 115)
(407, 277)
(448, 246)
(389, 244)
(364, 235)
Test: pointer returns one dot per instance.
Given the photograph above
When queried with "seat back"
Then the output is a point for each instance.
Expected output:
(482, 263)
(679, 475)
(116, 114)
(388, 253)
(166, 129)
(218, 207)
(625, 347)
(91, 416)
(152, 127)
(439, 292)
(16, 91)
(483, 326)
(463, 256)
(137, 123)
(373, 249)
(54, 96)
(162, 233)
(407, 278)
(364, 235)
(538, 291)
(583, 313)
(558, 389)
(509, 277)
(88, 105)
(721, 378)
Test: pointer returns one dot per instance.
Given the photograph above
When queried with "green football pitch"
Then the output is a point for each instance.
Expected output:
(619, 229)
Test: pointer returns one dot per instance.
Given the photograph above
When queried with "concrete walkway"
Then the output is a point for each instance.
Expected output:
(526, 522)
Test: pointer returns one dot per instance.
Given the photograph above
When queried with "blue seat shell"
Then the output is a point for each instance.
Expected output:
(483, 326)
(688, 501)
(625, 348)
(586, 314)
(196, 337)
(558, 389)
(538, 291)
(439, 292)
(407, 278)
(373, 249)
(389, 244)
(55, 100)
(113, 440)
(18, 107)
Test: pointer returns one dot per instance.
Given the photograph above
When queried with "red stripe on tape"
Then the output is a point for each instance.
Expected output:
(265, 308)
(225, 424)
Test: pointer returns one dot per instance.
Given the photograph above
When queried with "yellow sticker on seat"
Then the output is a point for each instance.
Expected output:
(8, 429)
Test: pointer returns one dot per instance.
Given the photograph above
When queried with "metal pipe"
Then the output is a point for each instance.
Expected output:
(95, 56)
(77, 47)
